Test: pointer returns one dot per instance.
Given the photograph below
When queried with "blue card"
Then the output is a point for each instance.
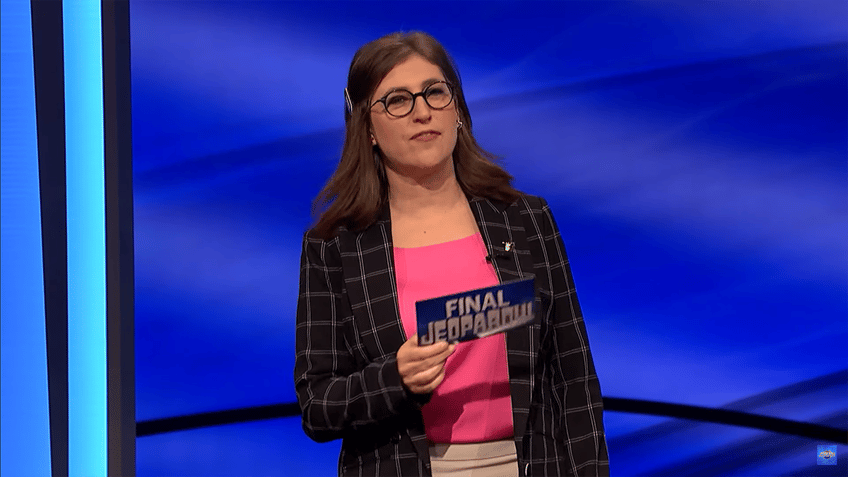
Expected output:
(476, 313)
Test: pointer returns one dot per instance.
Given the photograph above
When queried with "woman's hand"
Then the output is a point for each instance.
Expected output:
(422, 368)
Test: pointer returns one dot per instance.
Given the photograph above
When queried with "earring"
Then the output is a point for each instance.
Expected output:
(458, 123)
(373, 140)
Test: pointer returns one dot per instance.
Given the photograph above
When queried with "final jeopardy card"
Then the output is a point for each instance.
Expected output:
(476, 313)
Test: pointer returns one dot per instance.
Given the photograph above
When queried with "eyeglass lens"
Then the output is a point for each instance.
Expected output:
(401, 103)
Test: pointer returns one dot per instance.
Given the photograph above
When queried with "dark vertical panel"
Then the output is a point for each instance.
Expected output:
(48, 66)
(117, 135)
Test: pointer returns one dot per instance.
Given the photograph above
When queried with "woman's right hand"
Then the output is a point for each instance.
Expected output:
(422, 368)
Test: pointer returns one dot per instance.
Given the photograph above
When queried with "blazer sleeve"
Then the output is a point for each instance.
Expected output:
(336, 389)
(572, 359)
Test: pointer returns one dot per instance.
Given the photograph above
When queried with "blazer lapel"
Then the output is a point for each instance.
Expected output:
(369, 274)
(503, 232)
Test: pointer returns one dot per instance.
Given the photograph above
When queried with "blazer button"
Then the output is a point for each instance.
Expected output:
(395, 438)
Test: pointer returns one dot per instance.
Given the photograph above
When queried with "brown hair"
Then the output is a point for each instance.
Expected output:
(358, 189)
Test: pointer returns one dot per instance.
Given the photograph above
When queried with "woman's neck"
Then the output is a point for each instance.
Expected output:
(414, 195)
(431, 211)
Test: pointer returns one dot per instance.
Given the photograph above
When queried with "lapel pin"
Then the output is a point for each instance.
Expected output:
(508, 246)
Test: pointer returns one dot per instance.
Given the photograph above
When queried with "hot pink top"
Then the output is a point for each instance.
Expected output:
(472, 404)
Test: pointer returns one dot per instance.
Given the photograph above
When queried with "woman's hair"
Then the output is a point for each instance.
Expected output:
(358, 188)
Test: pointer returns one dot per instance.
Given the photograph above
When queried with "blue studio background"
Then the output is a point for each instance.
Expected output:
(693, 152)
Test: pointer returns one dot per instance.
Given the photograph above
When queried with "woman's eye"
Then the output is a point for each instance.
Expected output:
(436, 91)
(396, 100)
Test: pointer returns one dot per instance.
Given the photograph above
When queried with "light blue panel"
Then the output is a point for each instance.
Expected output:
(86, 239)
(24, 410)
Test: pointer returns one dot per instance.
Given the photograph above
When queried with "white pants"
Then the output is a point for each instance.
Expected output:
(479, 459)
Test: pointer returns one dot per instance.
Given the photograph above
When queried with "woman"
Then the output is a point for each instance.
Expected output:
(417, 210)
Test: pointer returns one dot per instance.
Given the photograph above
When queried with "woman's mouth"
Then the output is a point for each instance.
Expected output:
(426, 136)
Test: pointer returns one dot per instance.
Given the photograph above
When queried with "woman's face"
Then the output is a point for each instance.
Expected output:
(423, 140)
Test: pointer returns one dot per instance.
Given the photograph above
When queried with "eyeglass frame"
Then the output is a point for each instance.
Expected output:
(414, 97)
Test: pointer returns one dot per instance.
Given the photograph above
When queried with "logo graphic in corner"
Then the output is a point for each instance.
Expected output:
(826, 455)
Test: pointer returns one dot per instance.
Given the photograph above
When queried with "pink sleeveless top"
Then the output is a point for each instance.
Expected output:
(472, 404)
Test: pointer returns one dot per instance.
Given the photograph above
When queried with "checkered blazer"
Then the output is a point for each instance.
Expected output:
(349, 330)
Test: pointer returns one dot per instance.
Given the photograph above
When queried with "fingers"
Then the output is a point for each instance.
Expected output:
(436, 359)
(411, 352)
(422, 367)
(416, 370)
(425, 351)
(427, 381)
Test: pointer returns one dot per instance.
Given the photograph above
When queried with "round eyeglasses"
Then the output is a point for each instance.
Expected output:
(400, 102)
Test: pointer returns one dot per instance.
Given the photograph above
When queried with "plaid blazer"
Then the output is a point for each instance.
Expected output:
(349, 330)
